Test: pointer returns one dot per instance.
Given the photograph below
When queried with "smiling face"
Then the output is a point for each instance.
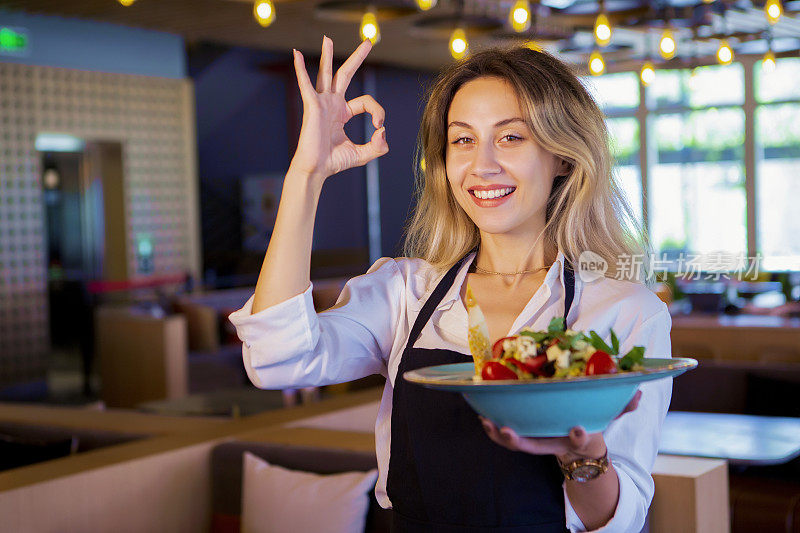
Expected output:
(498, 174)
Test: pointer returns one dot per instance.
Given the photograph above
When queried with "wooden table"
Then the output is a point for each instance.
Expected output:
(736, 338)
(741, 439)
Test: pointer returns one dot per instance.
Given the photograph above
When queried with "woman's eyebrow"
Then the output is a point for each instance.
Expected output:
(497, 124)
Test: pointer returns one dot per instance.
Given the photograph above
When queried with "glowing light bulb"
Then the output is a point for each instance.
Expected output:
(264, 12)
(596, 64)
(602, 30)
(369, 27)
(724, 53)
(458, 44)
(126, 3)
(773, 11)
(520, 16)
(648, 73)
(768, 63)
(667, 44)
(422, 164)
(425, 5)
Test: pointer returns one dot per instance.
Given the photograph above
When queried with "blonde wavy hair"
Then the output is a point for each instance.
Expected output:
(586, 209)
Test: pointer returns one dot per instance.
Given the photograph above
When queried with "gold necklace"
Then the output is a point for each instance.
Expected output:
(484, 271)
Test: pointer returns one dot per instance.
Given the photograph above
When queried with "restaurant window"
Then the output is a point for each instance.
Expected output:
(624, 134)
(698, 88)
(778, 164)
(615, 93)
(696, 189)
(618, 97)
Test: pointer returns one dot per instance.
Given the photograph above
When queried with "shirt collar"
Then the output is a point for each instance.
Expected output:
(555, 275)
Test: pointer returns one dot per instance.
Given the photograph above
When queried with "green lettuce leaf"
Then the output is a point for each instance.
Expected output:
(636, 355)
(556, 325)
(598, 342)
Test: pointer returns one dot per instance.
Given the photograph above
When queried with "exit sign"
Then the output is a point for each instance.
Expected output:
(13, 41)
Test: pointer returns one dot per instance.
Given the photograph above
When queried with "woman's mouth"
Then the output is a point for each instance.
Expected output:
(491, 198)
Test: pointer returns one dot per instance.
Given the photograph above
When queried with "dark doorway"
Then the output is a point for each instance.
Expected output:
(84, 212)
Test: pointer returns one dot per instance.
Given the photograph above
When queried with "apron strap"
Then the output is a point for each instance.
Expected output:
(569, 288)
(434, 299)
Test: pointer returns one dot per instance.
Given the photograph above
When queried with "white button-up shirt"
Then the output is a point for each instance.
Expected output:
(290, 345)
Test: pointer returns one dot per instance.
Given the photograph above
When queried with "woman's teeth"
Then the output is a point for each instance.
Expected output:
(495, 193)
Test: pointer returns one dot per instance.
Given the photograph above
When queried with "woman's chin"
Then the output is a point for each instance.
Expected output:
(496, 229)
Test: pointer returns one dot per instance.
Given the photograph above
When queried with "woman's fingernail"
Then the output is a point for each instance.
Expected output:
(579, 432)
(383, 133)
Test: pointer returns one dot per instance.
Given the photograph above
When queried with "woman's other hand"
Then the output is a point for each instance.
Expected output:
(323, 148)
(578, 444)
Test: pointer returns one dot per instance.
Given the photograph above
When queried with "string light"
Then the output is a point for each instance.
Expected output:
(126, 3)
(425, 5)
(648, 73)
(596, 64)
(520, 16)
(369, 27)
(724, 53)
(667, 44)
(768, 63)
(459, 47)
(602, 28)
(264, 12)
(773, 11)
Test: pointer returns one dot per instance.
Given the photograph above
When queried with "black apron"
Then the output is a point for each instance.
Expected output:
(445, 473)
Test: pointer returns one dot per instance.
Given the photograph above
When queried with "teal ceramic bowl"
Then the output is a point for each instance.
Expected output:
(548, 407)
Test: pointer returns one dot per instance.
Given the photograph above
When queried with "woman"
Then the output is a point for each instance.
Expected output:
(517, 184)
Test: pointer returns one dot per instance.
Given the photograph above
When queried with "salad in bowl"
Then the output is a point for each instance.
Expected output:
(517, 381)
(557, 352)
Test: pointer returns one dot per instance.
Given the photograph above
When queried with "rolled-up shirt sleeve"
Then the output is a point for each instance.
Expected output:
(632, 440)
(290, 345)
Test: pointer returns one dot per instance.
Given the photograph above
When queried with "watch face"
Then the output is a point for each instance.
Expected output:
(586, 472)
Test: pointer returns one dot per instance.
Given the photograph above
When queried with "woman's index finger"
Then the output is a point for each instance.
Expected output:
(348, 69)
(303, 81)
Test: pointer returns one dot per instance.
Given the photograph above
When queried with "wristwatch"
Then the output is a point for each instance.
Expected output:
(582, 470)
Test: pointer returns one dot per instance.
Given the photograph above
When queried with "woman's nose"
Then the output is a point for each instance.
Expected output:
(484, 160)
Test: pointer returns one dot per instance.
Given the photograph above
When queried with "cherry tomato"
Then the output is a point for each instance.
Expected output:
(496, 370)
(534, 364)
(497, 348)
(522, 367)
(600, 363)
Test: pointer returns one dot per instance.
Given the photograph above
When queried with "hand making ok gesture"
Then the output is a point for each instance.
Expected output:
(323, 148)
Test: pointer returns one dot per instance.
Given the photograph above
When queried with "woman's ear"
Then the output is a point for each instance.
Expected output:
(564, 168)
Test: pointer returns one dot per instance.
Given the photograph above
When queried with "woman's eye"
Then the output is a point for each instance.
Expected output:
(512, 137)
(465, 139)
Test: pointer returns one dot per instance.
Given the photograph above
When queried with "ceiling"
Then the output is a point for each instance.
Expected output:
(416, 39)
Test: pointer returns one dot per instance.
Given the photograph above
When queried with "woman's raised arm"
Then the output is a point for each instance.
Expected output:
(322, 150)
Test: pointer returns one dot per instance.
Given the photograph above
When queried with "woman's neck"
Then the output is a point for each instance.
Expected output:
(509, 253)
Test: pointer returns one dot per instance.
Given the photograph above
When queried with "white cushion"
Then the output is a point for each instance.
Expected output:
(279, 500)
